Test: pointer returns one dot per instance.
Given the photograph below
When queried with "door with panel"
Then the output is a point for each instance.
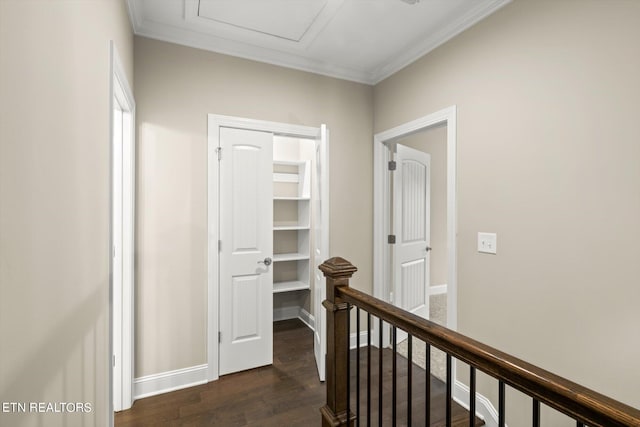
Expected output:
(320, 196)
(411, 224)
(246, 250)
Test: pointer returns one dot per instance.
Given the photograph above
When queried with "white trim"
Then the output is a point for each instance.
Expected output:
(484, 409)
(287, 56)
(363, 339)
(215, 122)
(381, 252)
(121, 339)
(409, 56)
(438, 289)
(164, 382)
(307, 318)
(287, 313)
(213, 267)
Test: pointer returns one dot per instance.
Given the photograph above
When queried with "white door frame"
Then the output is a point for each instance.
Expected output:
(381, 200)
(121, 345)
(215, 122)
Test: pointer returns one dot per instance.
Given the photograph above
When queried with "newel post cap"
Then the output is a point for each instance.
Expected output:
(337, 267)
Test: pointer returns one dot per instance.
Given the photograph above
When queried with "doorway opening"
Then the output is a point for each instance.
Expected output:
(416, 135)
(410, 177)
(275, 171)
(121, 236)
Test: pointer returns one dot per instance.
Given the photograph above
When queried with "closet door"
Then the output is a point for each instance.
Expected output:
(321, 246)
(246, 249)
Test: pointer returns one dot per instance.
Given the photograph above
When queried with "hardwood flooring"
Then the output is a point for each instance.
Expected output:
(286, 394)
(459, 416)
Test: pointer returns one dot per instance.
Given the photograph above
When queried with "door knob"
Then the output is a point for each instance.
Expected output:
(267, 261)
(428, 248)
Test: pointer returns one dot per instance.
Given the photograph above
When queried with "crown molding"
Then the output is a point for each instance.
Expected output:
(290, 59)
(442, 36)
(197, 40)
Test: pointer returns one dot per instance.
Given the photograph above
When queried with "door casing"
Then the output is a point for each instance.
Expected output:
(381, 202)
(215, 122)
(121, 336)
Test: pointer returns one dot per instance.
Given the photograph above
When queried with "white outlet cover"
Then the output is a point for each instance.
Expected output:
(487, 243)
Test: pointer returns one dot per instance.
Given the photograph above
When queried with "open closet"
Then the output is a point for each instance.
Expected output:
(268, 232)
(293, 168)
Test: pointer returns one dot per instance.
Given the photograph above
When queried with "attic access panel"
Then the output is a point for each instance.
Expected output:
(286, 19)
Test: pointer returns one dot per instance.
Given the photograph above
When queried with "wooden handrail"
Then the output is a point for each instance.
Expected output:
(581, 403)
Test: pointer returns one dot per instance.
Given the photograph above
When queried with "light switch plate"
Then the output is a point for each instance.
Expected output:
(487, 243)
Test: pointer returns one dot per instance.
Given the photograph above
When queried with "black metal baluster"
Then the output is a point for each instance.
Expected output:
(536, 413)
(358, 366)
(472, 396)
(380, 325)
(409, 377)
(394, 377)
(501, 408)
(579, 424)
(368, 369)
(448, 398)
(427, 391)
(348, 341)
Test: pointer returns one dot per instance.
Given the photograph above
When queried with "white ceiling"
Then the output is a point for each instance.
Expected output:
(359, 40)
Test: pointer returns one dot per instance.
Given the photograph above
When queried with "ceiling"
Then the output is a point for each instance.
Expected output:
(359, 40)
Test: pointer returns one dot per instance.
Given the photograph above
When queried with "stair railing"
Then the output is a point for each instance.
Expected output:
(587, 407)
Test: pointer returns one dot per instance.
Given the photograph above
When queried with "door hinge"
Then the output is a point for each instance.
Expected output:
(392, 165)
(219, 336)
(219, 151)
(391, 239)
(219, 245)
(114, 360)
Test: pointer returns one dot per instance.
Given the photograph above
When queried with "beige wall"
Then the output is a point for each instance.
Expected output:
(54, 195)
(547, 98)
(548, 153)
(176, 87)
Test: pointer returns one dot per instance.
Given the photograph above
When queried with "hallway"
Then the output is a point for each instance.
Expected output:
(286, 394)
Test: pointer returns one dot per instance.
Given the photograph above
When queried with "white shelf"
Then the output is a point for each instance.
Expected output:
(290, 162)
(292, 212)
(295, 180)
(286, 177)
(290, 257)
(290, 227)
(294, 285)
(297, 199)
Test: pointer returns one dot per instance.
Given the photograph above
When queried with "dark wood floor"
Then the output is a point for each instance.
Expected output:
(286, 394)
(437, 408)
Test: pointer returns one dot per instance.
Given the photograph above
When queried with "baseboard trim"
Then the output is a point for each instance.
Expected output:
(484, 408)
(353, 339)
(164, 382)
(438, 289)
(288, 313)
(285, 313)
(307, 318)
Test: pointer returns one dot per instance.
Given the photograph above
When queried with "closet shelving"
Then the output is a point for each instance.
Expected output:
(292, 224)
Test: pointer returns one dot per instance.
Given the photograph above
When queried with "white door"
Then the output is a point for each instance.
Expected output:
(116, 251)
(411, 225)
(321, 247)
(122, 235)
(246, 249)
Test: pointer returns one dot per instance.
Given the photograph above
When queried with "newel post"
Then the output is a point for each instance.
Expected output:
(335, 413)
